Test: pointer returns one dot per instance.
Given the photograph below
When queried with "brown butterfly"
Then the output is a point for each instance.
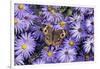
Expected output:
(53, 37)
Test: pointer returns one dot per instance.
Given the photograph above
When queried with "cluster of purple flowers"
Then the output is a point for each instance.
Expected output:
(29, 43)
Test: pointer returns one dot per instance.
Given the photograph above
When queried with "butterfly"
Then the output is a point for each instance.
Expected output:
(53, 37)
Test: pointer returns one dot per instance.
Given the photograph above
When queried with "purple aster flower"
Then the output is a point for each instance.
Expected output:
(21, 9)
(81, 9)
(25, 45)
(75, 18)
(77, 31)
(66, 54)
(90, 24)
(69, 42)
(38, 35)
(19, 25)
(48, 55)
(39, 61)
(60, 25)
(28, 19)
(84, 10)
(89, 11)
(19, 60)
(51, 14)
(85, 56)
(89, 44)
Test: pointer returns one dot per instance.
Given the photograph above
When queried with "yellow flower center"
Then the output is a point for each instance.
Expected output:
(21, 6)
(52, 10)
(49, 8)
(24, 46)
(62, 24)
(71, 43)
(15, 21)
(86, 56)
(50, 53)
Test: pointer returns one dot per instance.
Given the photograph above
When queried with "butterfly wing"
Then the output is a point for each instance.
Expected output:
(48, 34)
